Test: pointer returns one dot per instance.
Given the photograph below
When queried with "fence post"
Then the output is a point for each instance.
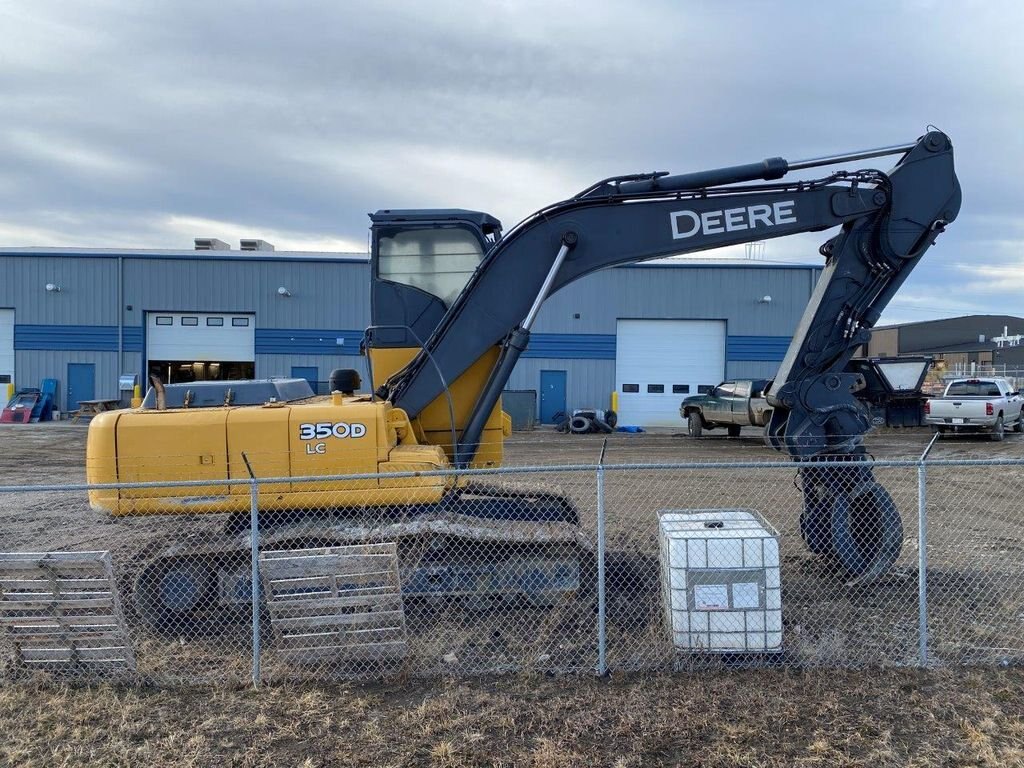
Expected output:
(254, 546)
(602, 662)
(922, 569)
(922, 557)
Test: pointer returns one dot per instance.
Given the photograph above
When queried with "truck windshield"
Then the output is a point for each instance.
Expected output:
(973, 389)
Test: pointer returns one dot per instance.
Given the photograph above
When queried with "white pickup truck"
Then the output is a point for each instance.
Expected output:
(976, 405)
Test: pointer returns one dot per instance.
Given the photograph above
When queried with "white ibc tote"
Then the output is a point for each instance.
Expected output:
(720, 580)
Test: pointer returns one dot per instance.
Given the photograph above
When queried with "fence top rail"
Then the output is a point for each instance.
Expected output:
(547, 469)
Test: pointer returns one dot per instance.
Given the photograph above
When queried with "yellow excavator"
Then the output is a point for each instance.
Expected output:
(453, 299)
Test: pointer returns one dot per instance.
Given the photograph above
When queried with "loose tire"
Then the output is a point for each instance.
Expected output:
(998, 432)
(734, 430)
(694, 425)
(580, 425)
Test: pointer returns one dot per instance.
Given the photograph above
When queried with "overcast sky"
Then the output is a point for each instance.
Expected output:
(145, 124)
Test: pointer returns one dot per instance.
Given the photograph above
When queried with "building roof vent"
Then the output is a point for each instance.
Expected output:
(211, 244)
(256, 245)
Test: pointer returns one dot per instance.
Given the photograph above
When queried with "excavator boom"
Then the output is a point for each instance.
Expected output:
(888, 221)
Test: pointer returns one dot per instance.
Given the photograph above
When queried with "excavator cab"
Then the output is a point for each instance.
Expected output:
(420, 261)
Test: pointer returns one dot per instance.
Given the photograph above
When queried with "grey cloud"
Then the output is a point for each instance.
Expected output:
(303, 117)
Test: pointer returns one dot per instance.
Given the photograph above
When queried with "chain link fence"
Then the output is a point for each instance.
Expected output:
(582, 569)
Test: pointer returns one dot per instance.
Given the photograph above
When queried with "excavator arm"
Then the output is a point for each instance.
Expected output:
(887, 220)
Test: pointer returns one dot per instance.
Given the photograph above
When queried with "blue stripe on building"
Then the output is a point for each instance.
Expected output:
(91, 338)
(312, 341)
(307, 341)
(103, 338)
(756, 347)
(574, 346)
(597, 346)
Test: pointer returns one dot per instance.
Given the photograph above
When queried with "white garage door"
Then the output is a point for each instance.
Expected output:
(6, 348)
(192, 336)
(659, 362)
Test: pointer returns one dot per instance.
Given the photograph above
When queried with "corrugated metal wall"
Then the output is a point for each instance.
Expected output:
(683, 292)
(588, 383)
(31, 367)
(324, 294)
(88, 290)
(329, 300)
(733, 293)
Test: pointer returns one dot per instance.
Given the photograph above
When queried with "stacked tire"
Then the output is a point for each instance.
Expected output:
(585, 422)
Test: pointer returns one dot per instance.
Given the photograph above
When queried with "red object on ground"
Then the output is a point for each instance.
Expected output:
(19, 409)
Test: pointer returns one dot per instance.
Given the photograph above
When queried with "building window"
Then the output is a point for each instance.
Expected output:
(5, 378)
(240, 322)
(630, 387)
(655, 389)
(190, 321)
(164, 320)
(705, 389)
(680, 389)
(215, 321)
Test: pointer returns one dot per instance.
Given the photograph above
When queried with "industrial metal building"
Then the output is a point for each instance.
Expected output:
(990, 343)
(96, 320)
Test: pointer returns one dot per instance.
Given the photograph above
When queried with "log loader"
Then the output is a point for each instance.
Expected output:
(453, 299)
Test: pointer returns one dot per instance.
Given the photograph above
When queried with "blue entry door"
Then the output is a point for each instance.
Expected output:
(81, 383)
(308, 372)
(552, 395)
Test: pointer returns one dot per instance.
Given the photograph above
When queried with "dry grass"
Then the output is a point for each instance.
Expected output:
(751, 718)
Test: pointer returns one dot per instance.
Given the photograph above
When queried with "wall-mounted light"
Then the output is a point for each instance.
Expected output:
(282, 291)
(52, 288)
(765, 300)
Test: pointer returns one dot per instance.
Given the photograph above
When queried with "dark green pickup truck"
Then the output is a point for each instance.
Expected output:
(732, 404)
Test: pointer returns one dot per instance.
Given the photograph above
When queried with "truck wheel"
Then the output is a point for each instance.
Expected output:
(997, 430)
(734, 430)
(694, 426)
(1018, 426)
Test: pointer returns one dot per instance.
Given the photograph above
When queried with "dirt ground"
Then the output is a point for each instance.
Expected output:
(976, 539)
(802, 716)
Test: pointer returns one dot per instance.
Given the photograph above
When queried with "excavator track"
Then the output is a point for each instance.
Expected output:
(481, 548)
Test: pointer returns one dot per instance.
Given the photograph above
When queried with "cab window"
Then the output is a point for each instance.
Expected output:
(727, 389)
(438, 260)
(973, 388)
